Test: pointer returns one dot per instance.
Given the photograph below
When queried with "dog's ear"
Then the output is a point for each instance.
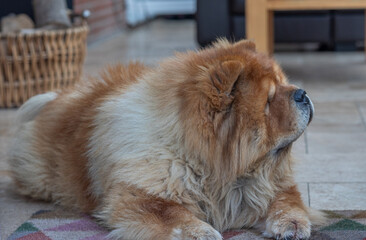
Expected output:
(223, 79)
(245, 44)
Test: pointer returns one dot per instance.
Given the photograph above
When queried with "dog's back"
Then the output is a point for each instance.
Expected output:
(48, 154)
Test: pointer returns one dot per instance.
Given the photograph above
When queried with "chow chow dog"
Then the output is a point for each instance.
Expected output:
(185, 150)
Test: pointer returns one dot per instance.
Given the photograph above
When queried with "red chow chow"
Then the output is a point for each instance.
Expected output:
(196, 146)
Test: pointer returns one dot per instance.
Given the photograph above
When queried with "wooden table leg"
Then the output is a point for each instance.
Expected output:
(259, 25)
(270, 32)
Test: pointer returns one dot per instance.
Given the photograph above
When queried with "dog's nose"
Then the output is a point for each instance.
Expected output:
(300, 96)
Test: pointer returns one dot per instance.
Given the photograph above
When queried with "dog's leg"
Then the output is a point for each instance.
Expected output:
(135, 215)
(288, 217)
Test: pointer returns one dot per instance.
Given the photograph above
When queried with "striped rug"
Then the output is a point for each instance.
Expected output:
(61, 225)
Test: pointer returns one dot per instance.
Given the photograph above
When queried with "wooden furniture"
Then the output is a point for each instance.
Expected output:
(259, 16)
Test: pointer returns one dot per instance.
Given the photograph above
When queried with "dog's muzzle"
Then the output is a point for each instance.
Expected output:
(303, 100)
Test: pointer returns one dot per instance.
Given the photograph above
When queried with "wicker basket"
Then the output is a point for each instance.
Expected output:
(39, 62)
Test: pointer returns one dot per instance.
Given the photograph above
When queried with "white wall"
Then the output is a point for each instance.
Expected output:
(138, 11)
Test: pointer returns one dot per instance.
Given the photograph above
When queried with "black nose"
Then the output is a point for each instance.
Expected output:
(300, 95)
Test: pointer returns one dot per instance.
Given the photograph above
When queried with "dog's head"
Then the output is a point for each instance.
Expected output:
(238, 109)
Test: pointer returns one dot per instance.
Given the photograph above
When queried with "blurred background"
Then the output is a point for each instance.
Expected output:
(326, 30)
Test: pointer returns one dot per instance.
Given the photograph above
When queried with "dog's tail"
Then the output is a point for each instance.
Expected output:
(29, 171)
(31, 108)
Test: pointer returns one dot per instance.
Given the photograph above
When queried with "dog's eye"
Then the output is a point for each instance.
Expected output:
(233, 89)
(269, 99)
(271, 93)
(266, 109)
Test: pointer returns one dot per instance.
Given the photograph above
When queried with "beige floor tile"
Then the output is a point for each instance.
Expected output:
(316, 69)
(7, 117)
(332, 143)
(7, 114)
(338, 196)
(326, 168)
(4, 149)
(299, 146)
(149, 44)
(303, 189)
(362, 109)
(327, 77)
(336, 117)
(332, 92)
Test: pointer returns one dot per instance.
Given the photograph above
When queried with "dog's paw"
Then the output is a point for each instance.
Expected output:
(196, 231)
(293, 225)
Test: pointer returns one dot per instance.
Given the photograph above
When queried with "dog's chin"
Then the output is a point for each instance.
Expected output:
(282, 146)
(283, 149)
(286, 143)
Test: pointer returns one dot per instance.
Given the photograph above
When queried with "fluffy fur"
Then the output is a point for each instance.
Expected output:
(196, 146)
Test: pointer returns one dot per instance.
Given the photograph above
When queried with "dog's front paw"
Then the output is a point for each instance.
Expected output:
(197, 230)
(292, 225)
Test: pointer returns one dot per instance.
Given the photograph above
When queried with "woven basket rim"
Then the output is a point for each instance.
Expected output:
(40, 32)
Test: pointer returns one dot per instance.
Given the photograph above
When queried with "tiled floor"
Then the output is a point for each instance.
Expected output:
(331, 169)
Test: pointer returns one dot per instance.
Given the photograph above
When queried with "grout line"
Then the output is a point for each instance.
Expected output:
(308, 193)
(306, 142)
(364, 182)
(361, 115)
